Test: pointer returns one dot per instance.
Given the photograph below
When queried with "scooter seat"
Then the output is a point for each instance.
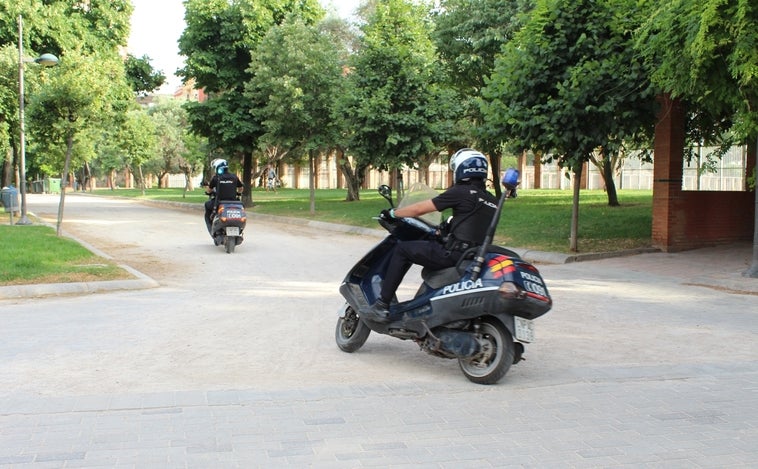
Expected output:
(439, 278)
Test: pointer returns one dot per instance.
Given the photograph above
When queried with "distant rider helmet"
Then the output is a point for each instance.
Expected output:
(219, 165)
(468, 163)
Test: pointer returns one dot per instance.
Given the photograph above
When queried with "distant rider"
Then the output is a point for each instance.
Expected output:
(224, 184)
(473, 208)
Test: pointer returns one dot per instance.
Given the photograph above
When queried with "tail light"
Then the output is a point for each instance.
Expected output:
(510, 290)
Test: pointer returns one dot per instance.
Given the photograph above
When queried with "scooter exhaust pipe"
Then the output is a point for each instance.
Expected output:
(453, 344)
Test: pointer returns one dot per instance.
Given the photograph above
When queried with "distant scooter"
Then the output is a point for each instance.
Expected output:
(479, 312)
(228, 222)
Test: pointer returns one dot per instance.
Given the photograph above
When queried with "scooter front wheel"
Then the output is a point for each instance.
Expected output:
(351, 332)
(496, 356)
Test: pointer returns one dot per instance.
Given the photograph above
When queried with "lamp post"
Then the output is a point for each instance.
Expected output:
(46, 60)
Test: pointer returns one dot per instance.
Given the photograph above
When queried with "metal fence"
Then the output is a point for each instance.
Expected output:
(729, 175)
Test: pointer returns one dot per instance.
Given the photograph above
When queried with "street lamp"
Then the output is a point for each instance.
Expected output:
(46, 60)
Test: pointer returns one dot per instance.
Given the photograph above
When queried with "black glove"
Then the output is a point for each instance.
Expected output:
(386, 215)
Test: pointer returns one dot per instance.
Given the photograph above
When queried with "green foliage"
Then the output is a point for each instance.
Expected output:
(58, 26)
(218, 42)
(79, 99)
(569, 82)
(138, 138)
(706, 52)
(297, 74)
(141, 77)
(177, 151)
(86, 37)
(469, 34)
(391, 94)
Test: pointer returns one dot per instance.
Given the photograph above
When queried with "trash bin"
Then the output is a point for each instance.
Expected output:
(38, 187)
(9, 197)
(53, 185)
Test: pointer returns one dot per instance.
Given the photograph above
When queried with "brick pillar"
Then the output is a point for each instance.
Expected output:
(668, 214)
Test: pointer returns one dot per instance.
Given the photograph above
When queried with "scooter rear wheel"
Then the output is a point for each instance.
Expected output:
(496, 358)
(351, 332)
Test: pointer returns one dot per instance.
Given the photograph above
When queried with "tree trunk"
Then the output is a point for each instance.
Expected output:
(247, 179)
(64, 182)
(87, 178)
(752, 271)
(312, 179)
(610, 184)
(352, 177)
(573, 243)
(141, 179)
(7, 168)
(495, 165)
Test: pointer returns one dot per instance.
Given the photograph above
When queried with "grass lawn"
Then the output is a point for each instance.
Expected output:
(35, 254)
(538, 219)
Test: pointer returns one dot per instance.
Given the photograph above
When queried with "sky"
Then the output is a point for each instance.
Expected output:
(157, 25)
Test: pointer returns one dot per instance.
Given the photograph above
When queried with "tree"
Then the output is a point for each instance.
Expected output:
(8, 112)
(178, 151)
(67, 114)
(469, 35)
(218, 42)
(569, 83)
(390, 97)
(139, 142)
(704, 52)
(59, 27)
(296, 72)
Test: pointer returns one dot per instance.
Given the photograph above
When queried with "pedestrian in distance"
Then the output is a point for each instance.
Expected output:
(271, 178)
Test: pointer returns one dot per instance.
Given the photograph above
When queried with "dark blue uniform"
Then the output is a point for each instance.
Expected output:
(473, 209)
(225, 185)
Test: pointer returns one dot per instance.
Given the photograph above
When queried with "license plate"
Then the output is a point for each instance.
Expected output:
(524, 329)
(232, 231)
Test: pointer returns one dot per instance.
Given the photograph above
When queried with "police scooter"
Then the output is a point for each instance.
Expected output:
(228, 221)
(480, 311)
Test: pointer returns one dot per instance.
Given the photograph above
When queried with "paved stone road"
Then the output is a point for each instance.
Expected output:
(645, 361)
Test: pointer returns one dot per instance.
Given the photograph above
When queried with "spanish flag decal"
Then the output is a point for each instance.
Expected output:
(500, 266)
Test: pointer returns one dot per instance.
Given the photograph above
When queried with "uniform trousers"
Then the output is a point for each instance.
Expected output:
(430, 254)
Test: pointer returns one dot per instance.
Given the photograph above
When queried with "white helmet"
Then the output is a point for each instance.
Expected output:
(219, 165)
(468, 163)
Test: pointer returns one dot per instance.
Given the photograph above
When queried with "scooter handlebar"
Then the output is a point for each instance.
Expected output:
(413, 222)
(418, 224)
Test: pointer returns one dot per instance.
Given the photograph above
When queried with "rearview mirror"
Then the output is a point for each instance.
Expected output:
(386, 192)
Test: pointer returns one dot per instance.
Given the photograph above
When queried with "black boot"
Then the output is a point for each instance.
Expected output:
(379, 312)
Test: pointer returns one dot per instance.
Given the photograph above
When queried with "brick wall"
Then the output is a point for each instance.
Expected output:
(688, 219)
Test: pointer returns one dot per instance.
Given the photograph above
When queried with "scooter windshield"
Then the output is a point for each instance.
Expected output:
(416, 193)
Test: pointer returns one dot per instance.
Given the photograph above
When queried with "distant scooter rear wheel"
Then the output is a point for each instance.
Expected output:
(229, 243)
(496, 357)
(351, 332)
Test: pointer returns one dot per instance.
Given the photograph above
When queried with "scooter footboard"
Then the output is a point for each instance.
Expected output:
(353, 296)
